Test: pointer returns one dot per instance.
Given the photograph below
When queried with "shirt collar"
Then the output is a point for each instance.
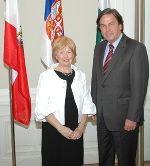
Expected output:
(115, 44)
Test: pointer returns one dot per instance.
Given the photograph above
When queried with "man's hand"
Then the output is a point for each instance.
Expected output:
(94, 117)
(129, 125)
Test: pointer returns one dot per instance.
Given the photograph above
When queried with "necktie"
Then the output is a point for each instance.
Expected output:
(108, 58)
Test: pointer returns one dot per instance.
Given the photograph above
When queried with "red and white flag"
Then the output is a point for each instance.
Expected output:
(14, 58)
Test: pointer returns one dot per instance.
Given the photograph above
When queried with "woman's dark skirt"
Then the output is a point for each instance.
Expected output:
(58, 150)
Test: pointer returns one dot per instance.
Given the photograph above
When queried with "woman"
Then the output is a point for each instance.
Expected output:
(63, 103)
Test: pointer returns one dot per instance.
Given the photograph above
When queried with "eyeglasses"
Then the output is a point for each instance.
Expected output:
(65, 52)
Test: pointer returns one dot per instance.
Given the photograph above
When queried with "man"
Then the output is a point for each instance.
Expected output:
(119, 84)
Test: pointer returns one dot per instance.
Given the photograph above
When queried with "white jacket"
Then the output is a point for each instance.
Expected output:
(51, 92)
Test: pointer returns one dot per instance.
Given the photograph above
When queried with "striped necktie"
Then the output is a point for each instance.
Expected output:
(108, 58)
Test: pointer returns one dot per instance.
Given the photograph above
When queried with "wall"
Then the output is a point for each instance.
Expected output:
(79, 24)
(147, 103)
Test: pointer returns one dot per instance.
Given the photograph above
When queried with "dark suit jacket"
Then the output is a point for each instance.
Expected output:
(120, 93)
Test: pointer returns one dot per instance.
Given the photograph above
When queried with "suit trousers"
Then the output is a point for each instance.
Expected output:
(122, 143)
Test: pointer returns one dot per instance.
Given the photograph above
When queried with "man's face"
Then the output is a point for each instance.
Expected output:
(110, 28)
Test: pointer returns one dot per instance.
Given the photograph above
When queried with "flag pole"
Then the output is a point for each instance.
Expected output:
(12, 121)
(139, 35)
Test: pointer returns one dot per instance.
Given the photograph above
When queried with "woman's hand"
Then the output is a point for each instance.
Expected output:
(77, 133)
(65, 131)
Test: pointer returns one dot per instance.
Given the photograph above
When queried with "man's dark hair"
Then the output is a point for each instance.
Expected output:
(110, 11)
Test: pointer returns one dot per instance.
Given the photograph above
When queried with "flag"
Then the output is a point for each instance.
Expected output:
(102, 4)
(53, 28)
(14, 58)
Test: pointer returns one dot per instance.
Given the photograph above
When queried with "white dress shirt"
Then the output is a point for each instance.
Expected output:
(115, 44)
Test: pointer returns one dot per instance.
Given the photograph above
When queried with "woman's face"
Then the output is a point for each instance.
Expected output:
(65, 57)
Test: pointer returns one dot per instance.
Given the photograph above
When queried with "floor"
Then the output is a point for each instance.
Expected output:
(145, 164)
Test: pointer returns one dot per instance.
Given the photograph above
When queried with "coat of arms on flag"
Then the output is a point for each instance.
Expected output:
(54, 22)
(14, 58)
(53, 28)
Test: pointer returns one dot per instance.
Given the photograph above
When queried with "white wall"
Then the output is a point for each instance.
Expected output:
(79, 24)
(147, 104)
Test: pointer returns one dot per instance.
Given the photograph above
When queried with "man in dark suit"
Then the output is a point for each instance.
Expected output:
(119, 85)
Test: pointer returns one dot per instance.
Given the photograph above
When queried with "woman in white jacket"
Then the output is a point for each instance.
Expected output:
(63, 103)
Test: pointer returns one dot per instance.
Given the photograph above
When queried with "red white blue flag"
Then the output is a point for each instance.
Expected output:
(14, 58)
(54, 28)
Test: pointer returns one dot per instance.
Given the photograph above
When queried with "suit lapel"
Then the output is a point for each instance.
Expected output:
(101, 57)
(117, 54)
(102, 52)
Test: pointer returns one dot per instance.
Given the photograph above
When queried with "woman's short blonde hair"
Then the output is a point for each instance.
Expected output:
(60, 43)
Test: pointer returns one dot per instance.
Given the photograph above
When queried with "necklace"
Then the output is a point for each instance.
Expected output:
(60, 69)
(67, 74)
